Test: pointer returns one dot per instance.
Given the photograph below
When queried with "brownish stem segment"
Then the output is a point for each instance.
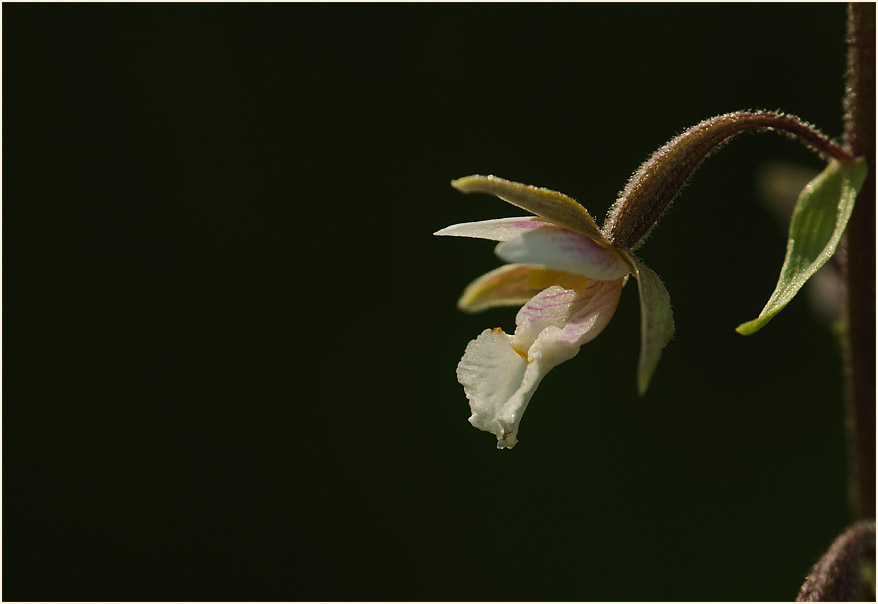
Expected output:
(653, 187)
(838, 575)
(860, 261)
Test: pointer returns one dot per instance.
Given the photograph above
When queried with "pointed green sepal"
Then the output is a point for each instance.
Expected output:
(818, 222)
(656, 319)
(551, 205)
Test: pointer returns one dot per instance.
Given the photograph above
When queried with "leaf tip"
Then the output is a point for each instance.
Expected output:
(750, 327)
(746, 329)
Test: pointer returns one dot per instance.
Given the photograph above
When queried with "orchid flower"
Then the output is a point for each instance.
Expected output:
(568, 277)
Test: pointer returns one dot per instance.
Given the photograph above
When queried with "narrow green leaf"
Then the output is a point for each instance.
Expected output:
(818, 222)
(656, 319)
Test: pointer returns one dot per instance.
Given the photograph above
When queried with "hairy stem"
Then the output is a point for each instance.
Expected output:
(860, 261)
(653, 187)
(838, 575)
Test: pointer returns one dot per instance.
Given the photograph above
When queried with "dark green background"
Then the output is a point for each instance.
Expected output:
(230, 338)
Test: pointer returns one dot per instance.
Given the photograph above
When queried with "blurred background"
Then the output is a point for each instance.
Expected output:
(230, 337)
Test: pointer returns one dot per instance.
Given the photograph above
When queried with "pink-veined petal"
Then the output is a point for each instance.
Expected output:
(501, 229)
(500, 373)
(503, 286)
(575, 318)
(592, 317)
(563, 250)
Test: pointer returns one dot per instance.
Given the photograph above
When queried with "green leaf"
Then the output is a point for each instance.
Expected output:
(818, 222)
(656, 319)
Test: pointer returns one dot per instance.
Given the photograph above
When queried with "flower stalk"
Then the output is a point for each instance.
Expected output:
(838, 575)
(658, 181)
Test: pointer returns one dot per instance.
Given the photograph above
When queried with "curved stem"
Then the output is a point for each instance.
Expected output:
(653, 187)
(837, 576)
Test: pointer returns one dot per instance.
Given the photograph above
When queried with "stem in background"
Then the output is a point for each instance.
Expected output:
(653, 187)
(860, 261)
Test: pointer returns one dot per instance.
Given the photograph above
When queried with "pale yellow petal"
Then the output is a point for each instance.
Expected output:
(504, 286)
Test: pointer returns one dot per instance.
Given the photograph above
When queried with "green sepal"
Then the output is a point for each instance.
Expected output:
(551, 205)
(819, 219)
(656, 319)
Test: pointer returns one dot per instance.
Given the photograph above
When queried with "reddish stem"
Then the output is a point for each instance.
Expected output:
(860, 261)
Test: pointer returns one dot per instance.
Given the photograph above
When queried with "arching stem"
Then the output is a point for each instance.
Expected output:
(653, 187)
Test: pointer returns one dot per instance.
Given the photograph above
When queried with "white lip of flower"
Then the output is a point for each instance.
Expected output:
(569, 279)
